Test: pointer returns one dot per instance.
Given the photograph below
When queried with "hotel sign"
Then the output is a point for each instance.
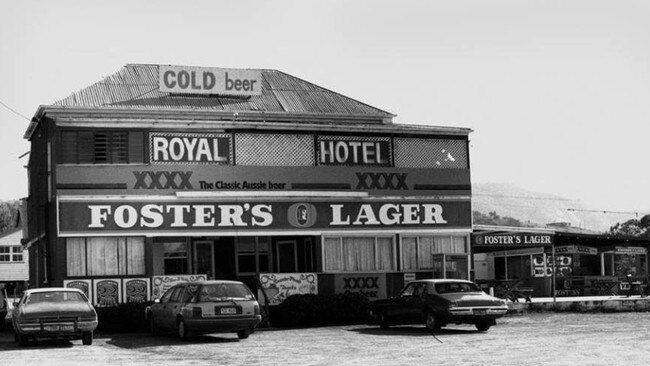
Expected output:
(209, 80)
(518, 239)
(354, 150)
(78, 216)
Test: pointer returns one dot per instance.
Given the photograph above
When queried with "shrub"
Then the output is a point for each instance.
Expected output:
(320, 310)
(122, 318)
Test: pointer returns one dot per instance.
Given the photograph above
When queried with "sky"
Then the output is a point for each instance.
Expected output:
(557, 93)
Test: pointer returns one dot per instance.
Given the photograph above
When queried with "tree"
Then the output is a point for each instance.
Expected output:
(633, 227)
(493, 219)
(8, 215)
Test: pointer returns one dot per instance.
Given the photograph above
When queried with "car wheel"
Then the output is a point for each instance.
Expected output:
(483, 326)
(243, 334)
(87, 338)
(431, 322)
(182, 330)
(153, 328)
(383, 321)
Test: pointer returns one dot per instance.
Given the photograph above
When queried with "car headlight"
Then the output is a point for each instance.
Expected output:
(453, 304)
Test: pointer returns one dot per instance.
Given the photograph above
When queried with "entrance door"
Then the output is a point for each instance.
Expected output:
(287, 256)
(204, 258)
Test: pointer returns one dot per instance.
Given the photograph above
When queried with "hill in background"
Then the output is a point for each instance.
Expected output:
(539, 209)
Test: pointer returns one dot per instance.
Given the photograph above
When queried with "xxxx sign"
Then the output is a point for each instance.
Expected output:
(388, 181)
(372, 285)
(162, 180)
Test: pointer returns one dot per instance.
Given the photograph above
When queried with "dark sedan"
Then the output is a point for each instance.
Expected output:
(54, 313)
(437, 303)
(205, 307)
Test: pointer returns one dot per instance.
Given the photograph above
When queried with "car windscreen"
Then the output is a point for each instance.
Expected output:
(451, 287)
(55, 296)
(224, 291)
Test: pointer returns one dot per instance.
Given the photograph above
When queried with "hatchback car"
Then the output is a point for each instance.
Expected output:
(438, 302)
(54, 313)
(205, 307)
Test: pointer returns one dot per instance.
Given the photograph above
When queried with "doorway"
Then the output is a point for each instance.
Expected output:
(286, 256)
(204, 258)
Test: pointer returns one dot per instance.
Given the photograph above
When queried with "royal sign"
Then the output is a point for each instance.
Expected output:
(513, 239)
(209, 80)
(189, 148)
(200, 215)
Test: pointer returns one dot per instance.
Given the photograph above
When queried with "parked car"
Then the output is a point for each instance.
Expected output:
(205, 307)
(437, 303)
(54, 313)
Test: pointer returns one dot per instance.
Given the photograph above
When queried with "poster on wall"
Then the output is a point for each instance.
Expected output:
(107, 292)
(160, 284)
(543, 265)
(278, 286)
(84, 285)
(136, 289)
(371, 285)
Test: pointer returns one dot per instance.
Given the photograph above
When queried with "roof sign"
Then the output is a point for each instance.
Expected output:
(209, 80)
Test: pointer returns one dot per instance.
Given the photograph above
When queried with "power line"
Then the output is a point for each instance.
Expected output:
(606, 211)
(523, 197)
(13, 110)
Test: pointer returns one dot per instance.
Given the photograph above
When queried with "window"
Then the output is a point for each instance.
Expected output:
(105, 256)
(101, 147)
(177, 296)
(175, 257)
(167, 295)
(418, 251)
(252, 254)
(409, 290)
(11, 254)
(358, 254)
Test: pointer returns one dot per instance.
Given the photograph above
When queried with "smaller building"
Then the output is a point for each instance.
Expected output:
(557, 261)
(14, 262)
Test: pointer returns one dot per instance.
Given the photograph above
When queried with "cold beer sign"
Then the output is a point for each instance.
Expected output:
(209, 80)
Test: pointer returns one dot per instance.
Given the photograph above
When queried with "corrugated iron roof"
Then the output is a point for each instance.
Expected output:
(135, 86)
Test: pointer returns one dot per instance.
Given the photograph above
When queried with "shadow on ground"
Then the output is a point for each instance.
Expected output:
(142, 340)
(414, 331)
(7, 342)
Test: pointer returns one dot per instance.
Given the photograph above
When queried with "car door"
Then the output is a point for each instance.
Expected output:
(402, 312)
(415, 304)
(163, 313)
(175, 305)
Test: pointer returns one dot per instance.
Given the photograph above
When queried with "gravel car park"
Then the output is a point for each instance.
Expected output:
(533, 339)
